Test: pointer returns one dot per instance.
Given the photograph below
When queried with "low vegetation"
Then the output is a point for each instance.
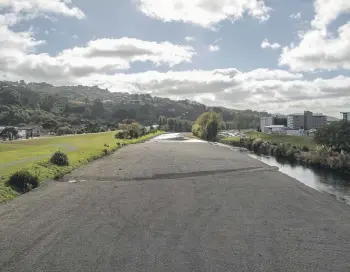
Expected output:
(34, 157)
(299, 141)
(332, 151)
(335, 136)
(23, 181)
(59, 158)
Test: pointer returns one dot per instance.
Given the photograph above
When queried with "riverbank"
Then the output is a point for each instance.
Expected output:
(33, 155)
(307, 155)
(330, 182)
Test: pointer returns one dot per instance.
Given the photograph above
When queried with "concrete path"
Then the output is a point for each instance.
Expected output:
(175, 206)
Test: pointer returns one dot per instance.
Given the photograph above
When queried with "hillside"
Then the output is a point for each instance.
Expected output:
(23, 103)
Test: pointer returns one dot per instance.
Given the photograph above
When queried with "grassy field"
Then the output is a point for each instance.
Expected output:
(299, 141)
(276, 138)
(34, 155)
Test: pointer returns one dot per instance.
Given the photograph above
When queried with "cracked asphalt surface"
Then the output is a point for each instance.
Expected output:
(175, 206)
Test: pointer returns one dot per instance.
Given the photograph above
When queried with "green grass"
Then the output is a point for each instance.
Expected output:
(299, 141)
(34, 155)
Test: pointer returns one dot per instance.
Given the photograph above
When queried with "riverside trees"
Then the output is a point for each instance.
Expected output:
(206, 126)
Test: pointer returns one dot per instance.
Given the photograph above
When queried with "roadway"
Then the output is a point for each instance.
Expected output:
(172, 205)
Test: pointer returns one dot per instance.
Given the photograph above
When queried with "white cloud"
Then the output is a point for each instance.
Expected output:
(98, 56)
(295, 16)
(213, 48)
(39, 7)
(266, 44)
(75, 36)
(318, 48)
(262, 89)
(326, 11)
(205, 13)
(97, 64)
(318, 51)
(190, 39)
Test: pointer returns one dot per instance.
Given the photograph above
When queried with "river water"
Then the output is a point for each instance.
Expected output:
(321, 180)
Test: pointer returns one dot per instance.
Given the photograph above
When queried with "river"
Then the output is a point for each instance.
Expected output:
(321, 180)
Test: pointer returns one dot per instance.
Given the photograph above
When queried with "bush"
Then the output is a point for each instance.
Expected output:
(23, 181)
(64, 131)
(59, 158)
(122, 135)
(305, 148)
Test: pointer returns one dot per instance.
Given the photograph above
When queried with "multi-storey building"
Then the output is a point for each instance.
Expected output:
(306, 120)
(319, 120)
(346, 116)
(295, 121)
(272, 121)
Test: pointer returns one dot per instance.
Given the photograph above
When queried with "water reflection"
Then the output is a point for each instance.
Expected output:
(325, 181)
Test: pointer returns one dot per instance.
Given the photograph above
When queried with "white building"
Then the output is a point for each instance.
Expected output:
(346, 116)
(275, 129)
(265, 121)
(295, 132)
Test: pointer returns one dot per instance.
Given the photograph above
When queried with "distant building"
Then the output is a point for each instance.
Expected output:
(295, 121)
(30, 131)
(318, 121)
(275, 129)
(346, 116)
(306, 120)
(295, 132)
(272, 121)
(265, 121)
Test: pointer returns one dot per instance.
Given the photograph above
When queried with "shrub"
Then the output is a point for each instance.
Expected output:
(122, 135)
(196, 130)
(305, 148)
(23, 181)
(64, 131)
(59, 158)
(256, 145)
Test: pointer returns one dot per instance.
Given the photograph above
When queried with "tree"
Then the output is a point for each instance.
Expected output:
(98, 108)
(50, 124)
(335, 135)
(48, 103)
(162, 120)
(9, 133)
(171, 123)
(206, 126)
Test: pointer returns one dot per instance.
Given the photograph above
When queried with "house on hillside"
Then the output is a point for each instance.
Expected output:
(29, 132)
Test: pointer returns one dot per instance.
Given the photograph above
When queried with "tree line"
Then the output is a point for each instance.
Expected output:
(174, 124)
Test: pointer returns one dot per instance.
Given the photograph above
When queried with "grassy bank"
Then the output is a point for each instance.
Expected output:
(318, 156)
(34, 155)
(298, 141)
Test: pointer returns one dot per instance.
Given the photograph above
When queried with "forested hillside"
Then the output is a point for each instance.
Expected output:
(42, 103)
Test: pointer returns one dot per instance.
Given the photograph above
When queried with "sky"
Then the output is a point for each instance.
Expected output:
(281, 56)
